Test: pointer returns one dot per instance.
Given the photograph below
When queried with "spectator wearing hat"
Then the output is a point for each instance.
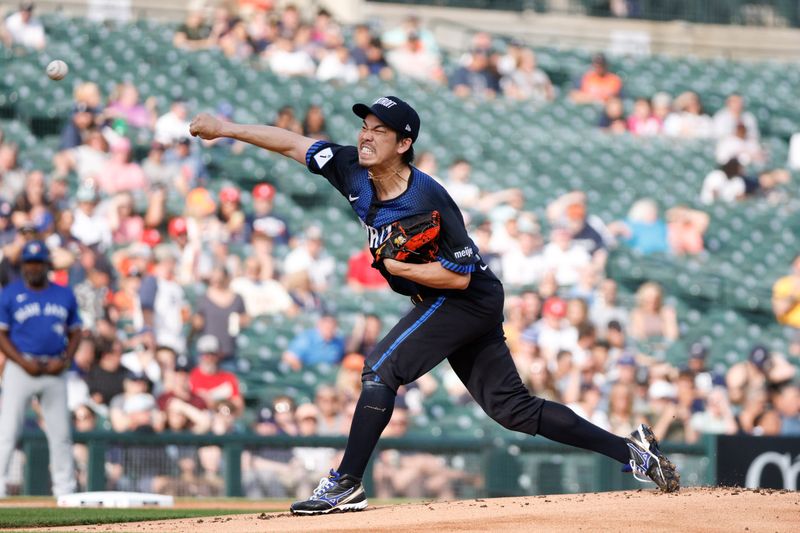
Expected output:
(221, 312)
(261, 295)
(310, 257)
(319, 345)
(786, 304)
(552, 333)
(598, 84)
(209, 382)
(135, 394)
(263, 220)
(231, 215)
(24, 29)
(162, 301)
(188, 249)
(89, 225)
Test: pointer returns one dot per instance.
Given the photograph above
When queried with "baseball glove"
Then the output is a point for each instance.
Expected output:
(412, 240)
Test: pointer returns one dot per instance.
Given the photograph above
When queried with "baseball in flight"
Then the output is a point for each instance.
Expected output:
(57, 69)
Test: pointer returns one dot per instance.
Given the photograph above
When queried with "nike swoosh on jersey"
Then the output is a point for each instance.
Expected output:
(353, 198)
(484, 267)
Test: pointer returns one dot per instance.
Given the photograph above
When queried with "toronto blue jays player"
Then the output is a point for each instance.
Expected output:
(39, 333)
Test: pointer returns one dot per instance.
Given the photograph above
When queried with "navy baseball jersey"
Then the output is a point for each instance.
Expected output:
(339, 165)
(38, 321)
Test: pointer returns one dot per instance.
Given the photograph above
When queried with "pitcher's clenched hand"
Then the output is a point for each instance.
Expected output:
(206, 127)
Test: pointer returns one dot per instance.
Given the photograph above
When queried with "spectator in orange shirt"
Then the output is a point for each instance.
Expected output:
(598, 84)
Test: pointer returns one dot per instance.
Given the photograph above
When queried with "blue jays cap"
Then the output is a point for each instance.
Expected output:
(393, 112)
(35, 251)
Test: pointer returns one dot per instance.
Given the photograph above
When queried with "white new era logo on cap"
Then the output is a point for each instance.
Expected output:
(408, 128)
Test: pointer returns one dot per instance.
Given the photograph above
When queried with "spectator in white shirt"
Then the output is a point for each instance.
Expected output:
(310, 257)
(338, 66)
(739, 145)
(729, 117)
(261, 295)
(284, 60)
(90, 226)
(525, 264)
(565, 257)
(24, 29)
(689, 121)
(173, 125)
(724, 184)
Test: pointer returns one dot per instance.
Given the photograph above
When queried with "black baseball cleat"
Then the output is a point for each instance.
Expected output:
(647, 460)
(335, 493)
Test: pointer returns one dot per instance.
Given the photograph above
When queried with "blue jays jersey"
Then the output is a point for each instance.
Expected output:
(37, 321)
(339, 165)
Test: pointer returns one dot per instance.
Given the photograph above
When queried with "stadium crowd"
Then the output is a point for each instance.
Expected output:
(164, 296)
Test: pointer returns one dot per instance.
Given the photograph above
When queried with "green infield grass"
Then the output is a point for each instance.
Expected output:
(23, 517)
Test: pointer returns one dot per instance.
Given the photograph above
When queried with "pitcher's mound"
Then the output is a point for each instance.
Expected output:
(695, 509)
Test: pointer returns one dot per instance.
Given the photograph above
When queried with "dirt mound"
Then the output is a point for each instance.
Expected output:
(694, 509)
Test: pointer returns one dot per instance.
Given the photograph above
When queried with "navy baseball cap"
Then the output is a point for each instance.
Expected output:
(393, 112)
(759, 356)
(35, 251)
